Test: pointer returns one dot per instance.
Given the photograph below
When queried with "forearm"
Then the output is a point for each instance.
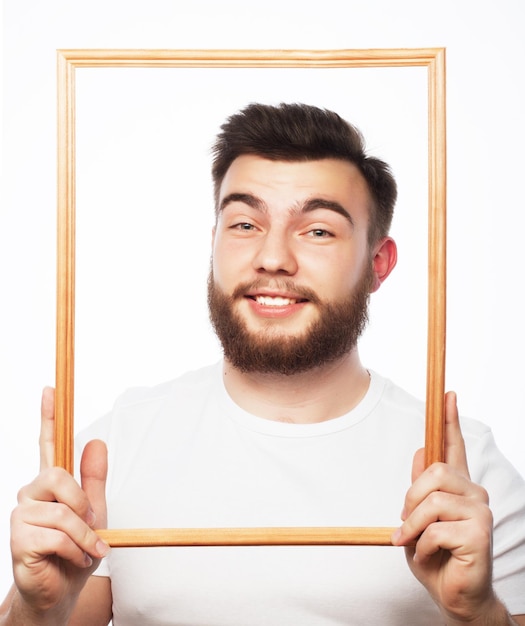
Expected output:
(14, 611)
(497, 615)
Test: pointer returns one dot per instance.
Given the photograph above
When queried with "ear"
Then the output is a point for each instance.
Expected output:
(384, 260)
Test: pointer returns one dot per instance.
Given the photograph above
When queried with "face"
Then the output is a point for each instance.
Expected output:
(291, 270)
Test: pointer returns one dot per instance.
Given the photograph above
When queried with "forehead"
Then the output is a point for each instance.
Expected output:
(292, 180)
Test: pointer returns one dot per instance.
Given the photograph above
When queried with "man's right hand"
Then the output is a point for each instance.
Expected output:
(53, 544)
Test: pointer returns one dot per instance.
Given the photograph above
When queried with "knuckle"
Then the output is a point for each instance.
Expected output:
(55, 477)
(60, 514)
(438, 471)
(16, 517)
(62, 542)
(432, 533)
(483, 494)
(23, 494)
(488, 517)
(482, 535)
(17, 536)
(435, 499)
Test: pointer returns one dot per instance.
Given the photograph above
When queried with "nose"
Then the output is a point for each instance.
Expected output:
(275, 254)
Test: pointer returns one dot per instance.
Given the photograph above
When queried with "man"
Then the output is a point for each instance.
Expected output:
(291, 429)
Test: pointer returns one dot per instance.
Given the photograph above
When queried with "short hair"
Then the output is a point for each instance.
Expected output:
(300, 132)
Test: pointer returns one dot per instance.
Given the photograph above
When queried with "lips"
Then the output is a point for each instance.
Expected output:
(275, 306)
(282, 298)
(276, 300)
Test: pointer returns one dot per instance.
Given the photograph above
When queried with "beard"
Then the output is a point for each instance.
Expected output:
(330, 337)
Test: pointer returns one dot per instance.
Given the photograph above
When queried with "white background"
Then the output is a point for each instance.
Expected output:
(486, 134)
(144, 213)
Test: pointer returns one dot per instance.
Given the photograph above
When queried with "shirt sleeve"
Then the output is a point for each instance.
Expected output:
(506, 488)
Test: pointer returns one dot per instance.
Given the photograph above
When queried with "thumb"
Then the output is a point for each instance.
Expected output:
(93, 472)
(455, 453)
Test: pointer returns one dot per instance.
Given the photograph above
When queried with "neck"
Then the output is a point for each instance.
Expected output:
(315, 396)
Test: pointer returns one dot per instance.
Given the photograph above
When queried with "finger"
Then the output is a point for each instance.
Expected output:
(46, 528)
(439, 537)
(455, 454)
(440, 478)
(463, 538)
(440, 507)
(93, 472)
(47, 429)
(440, 494)
(455, 447)
(52, 542)
(57, 485)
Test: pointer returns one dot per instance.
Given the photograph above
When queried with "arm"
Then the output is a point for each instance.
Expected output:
(94, 604)
(93, 607)
(449, 518)
(53, 544)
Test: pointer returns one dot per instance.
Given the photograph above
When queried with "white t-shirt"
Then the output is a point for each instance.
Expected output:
(183, 454)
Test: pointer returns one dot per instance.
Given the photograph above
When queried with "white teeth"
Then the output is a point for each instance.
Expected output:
(274, 301)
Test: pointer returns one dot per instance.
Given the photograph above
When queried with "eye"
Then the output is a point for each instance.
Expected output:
(319, 233)
(243, 226)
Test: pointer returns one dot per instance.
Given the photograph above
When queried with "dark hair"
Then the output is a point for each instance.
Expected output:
(300, 132)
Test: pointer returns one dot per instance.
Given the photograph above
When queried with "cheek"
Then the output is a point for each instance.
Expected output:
(333, 275)
(227, 264)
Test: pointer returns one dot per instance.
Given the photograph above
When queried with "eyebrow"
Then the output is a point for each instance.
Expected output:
(246, 198)
(321, 203)
(312, 204)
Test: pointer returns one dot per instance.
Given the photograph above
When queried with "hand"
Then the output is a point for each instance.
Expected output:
(448, 517)
(53, 544)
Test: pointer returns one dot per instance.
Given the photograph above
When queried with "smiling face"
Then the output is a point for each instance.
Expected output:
(292, 269)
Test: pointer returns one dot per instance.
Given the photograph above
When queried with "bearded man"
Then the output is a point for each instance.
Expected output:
(289, 429)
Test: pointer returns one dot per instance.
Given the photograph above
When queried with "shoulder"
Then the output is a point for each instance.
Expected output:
(137, 408)
(395, 400)
(192, 382)
(399, 407)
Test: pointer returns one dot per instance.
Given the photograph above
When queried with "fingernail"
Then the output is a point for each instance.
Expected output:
(87, 560)
(91, 518)
(396, 536)
(102, 548)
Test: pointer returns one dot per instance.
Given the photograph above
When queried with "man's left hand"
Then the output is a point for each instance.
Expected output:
(446, 517)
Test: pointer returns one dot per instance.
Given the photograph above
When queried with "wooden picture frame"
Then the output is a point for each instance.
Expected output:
(68, 61)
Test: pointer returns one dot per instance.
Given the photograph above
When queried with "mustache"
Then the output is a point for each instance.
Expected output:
(283, 285)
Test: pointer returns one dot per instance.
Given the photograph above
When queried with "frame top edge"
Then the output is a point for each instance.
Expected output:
(84, 56)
